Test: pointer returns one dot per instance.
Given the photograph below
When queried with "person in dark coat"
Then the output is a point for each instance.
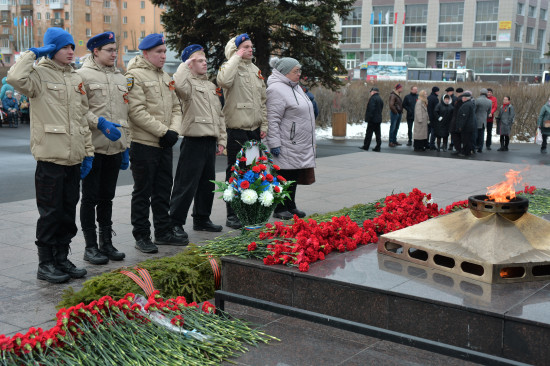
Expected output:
(312, 98)
(466, 123)
(433, 101)
(456, 141)
(409, 102)
(396, 111)
(443, 113)
(373, 116)
(505, 119)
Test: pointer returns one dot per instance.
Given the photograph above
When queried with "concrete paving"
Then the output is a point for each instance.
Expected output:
(342, 180)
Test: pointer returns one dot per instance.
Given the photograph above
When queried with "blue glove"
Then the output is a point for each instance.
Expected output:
(276, 151)
(108, 128)
(86, 166)
(43, 51)
(125, 159)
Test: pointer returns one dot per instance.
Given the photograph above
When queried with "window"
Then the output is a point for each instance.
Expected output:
(5, 30)
(40, 31)
(530, 35)
(107, 19)
(37, 2)
(519, 34)
(451, 16)
(88, 17)
(56, 15)
(521, 9)
(47, 16)
(38, 16)
(532, 11)
(540, 40)
(142, 34)
(66, 15)
(142, 19)
(486, 21)
(142, 4)
(416, 18)
(382, 30)
(47, 2)
(87, 2)
(5, 43)
(106, 4)
(124, 5)
(125, 49)
(7, 59)
(542, 14)
(351, 27)
(88, 32)
(125, 20)
(125, 34)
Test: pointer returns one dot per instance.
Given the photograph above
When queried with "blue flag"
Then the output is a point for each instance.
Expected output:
(15, 22)
(380, 18)
(371, 18)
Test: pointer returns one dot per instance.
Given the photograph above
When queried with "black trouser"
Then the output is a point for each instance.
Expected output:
(489, 134)
(25, 118)
(504, 140)
(410, 129)
(544, 138)
(466, 137)
(152, 172)
(431, 135)
(290, 174)
(456, 140)
(371, 127)
(57, 193)
(235, 140)
(196, 169)
(13, 118)
(98, 191)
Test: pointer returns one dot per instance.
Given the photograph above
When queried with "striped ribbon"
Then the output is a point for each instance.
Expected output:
(144, 280)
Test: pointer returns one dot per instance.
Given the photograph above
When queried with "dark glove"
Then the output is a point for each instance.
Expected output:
(86, 166)
(108, 128)
(125, 163)
(43, 51)
(169, 139)
(276, 151)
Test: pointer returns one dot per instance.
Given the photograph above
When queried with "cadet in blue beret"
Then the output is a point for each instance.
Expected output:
(151, 41)
(189, 50)
(111, 139)
(241, 38)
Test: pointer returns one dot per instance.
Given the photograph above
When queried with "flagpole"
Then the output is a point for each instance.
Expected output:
(403, 38)
(394, 37)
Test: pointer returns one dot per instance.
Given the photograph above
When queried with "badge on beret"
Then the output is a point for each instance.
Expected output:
(130, 83)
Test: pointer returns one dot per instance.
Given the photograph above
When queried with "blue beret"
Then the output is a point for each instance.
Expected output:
(241, 38)
(152, 40)
(100, 40)
(189, 50)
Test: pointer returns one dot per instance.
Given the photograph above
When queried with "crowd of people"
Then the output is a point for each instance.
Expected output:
(452, 121)
(14, 109)
(89, 124)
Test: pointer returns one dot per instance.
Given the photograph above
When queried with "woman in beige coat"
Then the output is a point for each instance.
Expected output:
(421, 120)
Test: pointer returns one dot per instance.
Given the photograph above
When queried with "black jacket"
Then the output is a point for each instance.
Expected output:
(433, 100)
(456, 107)
(466, 117)
(409, 102)
(374, 109)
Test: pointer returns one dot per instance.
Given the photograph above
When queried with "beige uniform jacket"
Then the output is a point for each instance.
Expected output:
(59, 129)
(244, 92)
(154, 107)
(108, 98)
(202, 110)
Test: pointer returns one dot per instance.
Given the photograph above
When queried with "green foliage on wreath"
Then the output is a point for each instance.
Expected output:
(185, 274)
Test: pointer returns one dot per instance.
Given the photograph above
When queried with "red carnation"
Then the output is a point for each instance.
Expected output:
(276, 189)
(208, 308)
(269, 178)
(243, 159)
(256, 169)
(262, 158)
(252, 246)
(303, 267)
(280, 178)
(276, 167)
(245, 184)
(231, 179)
(262, 167)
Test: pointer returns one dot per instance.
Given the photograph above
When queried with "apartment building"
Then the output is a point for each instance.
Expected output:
(498, 39)
(25, 21)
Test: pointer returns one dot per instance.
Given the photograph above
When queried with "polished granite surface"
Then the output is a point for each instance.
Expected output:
(365, 267)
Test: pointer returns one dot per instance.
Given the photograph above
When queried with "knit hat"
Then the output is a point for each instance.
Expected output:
(152, 40)
(450, 89)
(189, 50)
(459, 90)
(374, 89)
(241, 38)
(483, 91)
(435, 89)
(284, 65)
(398, 86)
(58, 37)
(100, 40)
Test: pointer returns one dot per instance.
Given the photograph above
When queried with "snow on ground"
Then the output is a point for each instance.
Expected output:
(357, 132)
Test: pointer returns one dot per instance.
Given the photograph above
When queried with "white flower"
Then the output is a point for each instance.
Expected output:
(266, 198)
(228, 194)
(249, 196)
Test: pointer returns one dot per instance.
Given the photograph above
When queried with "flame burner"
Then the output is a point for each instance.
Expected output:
(494, 242)
(481, 206)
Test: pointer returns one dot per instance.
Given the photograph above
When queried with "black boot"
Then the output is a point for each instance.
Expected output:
(106, 244)
(92, 253)
(62, 262)
(46, 267)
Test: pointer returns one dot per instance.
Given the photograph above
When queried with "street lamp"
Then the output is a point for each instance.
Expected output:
(510, 68)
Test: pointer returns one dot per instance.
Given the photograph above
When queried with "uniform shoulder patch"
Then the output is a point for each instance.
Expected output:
(223, 65)
(130, 83)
